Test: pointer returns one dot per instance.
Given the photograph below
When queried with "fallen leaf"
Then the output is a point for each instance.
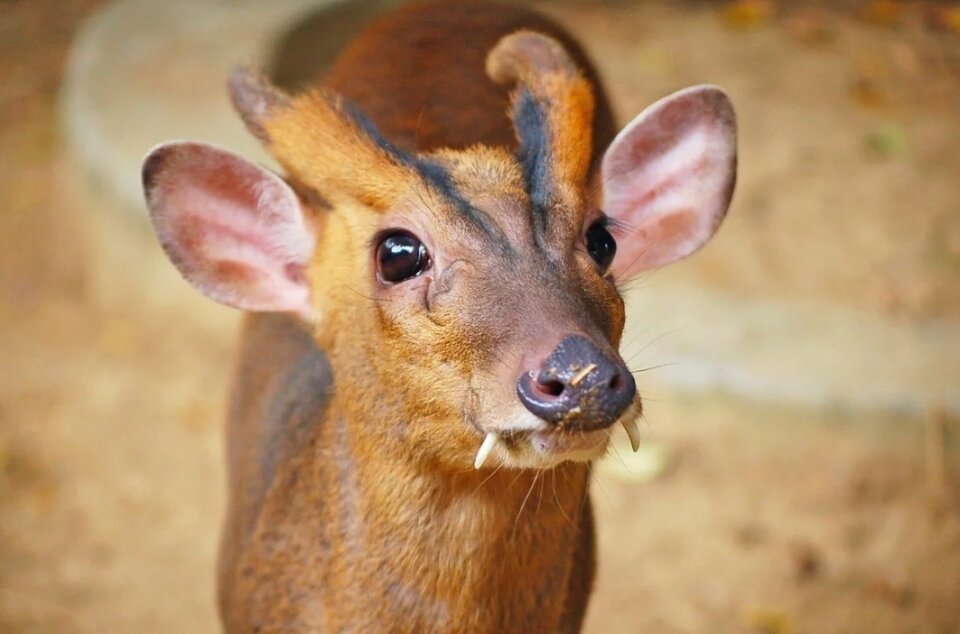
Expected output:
(655, 61)
(888, 141)
(945, 18)
(898, 595)
(806, 559)
(951, 19)
(867, 93)
(743, 14)
(811, 27)
(884, 12)
(769, 621)
(750, 535)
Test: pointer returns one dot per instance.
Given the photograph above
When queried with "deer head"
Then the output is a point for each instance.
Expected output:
(466, 298)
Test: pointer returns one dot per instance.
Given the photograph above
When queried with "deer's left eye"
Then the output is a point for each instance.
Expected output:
(600, 244)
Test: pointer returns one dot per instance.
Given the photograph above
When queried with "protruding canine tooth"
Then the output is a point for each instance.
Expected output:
(488, 444)
(634, 432)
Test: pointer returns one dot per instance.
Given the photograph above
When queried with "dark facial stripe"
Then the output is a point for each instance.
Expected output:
(530, 121)
(368, 127)
(439, 180)
(432, 173)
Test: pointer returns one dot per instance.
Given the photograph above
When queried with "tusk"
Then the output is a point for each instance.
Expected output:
(486, 449)
(633, 431)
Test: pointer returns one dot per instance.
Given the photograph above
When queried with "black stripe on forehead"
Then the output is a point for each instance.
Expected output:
(366, 125)
(530, 121)
(432, 173)
(439, 179)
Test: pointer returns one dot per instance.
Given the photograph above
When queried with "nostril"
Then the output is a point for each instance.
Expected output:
(616, 382)
(550, 388)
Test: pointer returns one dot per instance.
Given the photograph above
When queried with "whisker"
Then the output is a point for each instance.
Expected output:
(618, 456)
(653, 367)
(603, 490)
(651, 342)
(540, 494)
(642, 253)
(516, 522)
(559, 504)
(485, 480)
(356, 292)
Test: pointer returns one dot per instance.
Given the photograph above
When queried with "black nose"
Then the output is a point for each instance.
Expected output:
(578, 387)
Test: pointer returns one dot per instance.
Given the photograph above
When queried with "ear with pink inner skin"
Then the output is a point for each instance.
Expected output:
(234, 230)
(668, 178)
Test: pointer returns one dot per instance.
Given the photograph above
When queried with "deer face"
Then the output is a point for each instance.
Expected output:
(467, 298)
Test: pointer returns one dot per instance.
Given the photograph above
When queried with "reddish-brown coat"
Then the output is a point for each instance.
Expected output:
(339, 524)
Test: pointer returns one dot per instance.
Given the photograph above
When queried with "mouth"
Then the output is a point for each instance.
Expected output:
(547, 447)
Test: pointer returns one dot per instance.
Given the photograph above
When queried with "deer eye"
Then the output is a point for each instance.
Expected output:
(600, 244)
(401, 256)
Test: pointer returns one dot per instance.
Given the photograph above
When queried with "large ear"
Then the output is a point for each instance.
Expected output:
(233, 229)
(668, 178)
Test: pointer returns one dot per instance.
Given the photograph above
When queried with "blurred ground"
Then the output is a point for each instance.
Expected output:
(848, 188)
(761, 519)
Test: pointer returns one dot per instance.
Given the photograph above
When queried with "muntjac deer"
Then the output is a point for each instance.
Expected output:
(433, 317)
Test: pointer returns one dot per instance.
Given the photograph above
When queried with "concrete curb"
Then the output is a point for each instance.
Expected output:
(122, 95)
(810, 354)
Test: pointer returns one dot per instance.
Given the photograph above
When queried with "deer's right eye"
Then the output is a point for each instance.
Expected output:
(401, 256)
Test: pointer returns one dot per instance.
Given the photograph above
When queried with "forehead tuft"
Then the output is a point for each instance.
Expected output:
(483, 172)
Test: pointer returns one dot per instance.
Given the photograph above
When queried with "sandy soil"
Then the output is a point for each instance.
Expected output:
(759, 519)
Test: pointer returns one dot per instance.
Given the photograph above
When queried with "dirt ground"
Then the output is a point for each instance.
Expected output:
(756, 518)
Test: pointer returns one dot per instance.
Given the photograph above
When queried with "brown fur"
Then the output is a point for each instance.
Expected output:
(353, 504)
(434, 70)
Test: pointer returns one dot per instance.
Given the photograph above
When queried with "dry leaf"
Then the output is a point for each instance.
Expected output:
(743, 14)
(769, 621)
(948, 18)
(806, 559)
(885, 12)
(888, 141)
(810, 26)
(867, 93)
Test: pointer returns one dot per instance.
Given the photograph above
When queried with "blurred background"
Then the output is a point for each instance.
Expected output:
(802, 374)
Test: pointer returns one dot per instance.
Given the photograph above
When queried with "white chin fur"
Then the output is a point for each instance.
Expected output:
(533, 452)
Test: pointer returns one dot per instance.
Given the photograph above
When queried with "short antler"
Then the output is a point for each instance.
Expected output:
(552, 114)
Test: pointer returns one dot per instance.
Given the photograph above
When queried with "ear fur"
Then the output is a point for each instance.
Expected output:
(233, 229)
(668, 178)
(255, 99)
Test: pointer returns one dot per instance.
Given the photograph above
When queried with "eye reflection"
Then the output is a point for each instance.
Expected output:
(401, 256)
(600, 244)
